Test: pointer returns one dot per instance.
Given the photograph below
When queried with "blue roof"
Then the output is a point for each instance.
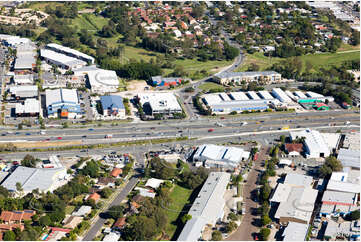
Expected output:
(113, 101)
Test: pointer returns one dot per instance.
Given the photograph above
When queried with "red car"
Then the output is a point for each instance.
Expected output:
(47, 139)
(59, 138)
(210, 130)
(222, 117)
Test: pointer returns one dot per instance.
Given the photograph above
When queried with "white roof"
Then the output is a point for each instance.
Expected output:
(207, 207)
(295, 232)
(299, 205)
(160, 101)
(239, 96)
(31, 105)
(24, 91)
(343, 186)
(281, 95)
(314, 140)
(219, 153)
(111, 237)
(300, 94)
(71, 51)
(339, 176)
(60, 96)
(224, 96)
(28, 79)
(349, 157)
(331, 139)
(295, 179)
(342, 198)
(265, 95)
(45, 179)
(154, 183)
(61, 58)
(285, 162)
(82, 211)
(281, 193)
(313, 94)
(101, 77)
(290, 94)
(253, 95)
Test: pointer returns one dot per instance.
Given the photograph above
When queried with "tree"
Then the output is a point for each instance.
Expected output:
(44, 221)
(230, 52)
(231, 226)
(9, 236)
(91, 169)
(19, 188)
(264, 233)
(106, 192)
(265, 219)
(217, 236)
(232, 217)
(283, 139)
(115, 212)
(29, 161)
(186, 217)
(331, 164)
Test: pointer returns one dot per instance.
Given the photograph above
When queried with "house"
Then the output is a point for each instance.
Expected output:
(113, 106)
(111, 237)
(268, 77)
(138, 198)
(95, 196)
(10, 217)
(105, 181)
(116, 172)
(70, 222)
(145, 192)
(294, 150)
(119, 224)
(177, 33)
(82, 211)
(154, 183)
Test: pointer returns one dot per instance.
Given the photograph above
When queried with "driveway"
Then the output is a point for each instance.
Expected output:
(247, 227)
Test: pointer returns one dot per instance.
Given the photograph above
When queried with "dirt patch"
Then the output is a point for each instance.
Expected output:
(138, 86)
(41, 144)
(219, 69)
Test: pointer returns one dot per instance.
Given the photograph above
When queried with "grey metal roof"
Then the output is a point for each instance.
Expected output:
(298, 179)
(339, 197)
(245, 74)
(32, 178)
(349, 157)
(207, 207)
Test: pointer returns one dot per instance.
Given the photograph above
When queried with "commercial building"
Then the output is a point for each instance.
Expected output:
(61, 60)
(44, 179)
(281, 95)
(349, 158)
(24, 79)
(294, 150)
(295, 232)
(166, 81)
(62, 103)
(13, 41)
(253, 95)
(23, 92)
(102, 81)
(220, 156)
(296, 203)
(225, 78)
(298, 180)
(159, 103)
(338, 203)
(314, 144)
(25, 57)
(220, 103)
(113, 106)
(71, 52)
(265, 95)
(208, 207)
(344, 229)
(30, 108)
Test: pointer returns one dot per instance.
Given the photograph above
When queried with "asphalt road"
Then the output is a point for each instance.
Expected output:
(99, 222)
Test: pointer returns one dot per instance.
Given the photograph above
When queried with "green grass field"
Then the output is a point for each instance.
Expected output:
(89, 22)
(179, 196)
(210, 85)
(69, 209)
(324, 60)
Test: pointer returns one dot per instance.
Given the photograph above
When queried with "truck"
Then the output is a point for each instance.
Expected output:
(42, 132)
(347, 122)
(108, 136)
(285, 128)
(244, 123)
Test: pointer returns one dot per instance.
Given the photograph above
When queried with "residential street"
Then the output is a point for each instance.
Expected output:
(98, 224)
(247, 227)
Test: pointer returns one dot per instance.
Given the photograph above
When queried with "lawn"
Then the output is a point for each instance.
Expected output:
(319, 60)
(180, 196)
(210, 85)
(89, 22)
(69, 209)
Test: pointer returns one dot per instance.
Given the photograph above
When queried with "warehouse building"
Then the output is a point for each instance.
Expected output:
(239, 96)
(71, 52)
(24, 79)
(267, 77)
(113, 106)
(208, 208)
(349, 158)
(253, 95)
(281, 95)
(23, 92)
(25, 58)
(337, 203)
(314, 144)
(61, 60)
(159, 103)
(166, 81)
(63, 103)
(44, 179)
(265, 95)
(295, 232)
(220, 156)
(12, 40)
(102, 81)
(30, 108)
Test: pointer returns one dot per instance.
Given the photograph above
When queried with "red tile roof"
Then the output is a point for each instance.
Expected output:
(294, 147)
(116, 172)
(119, 223)
(95, 196)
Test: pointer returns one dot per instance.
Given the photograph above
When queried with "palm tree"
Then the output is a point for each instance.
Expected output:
(19, 188)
